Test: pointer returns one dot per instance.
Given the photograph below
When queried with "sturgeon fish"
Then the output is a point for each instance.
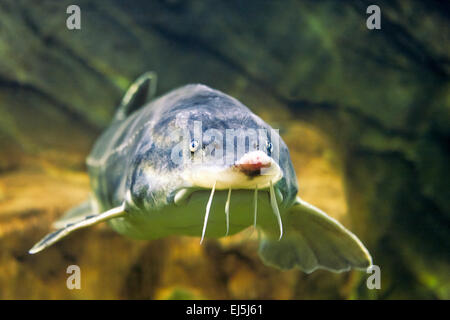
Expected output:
(190, 163)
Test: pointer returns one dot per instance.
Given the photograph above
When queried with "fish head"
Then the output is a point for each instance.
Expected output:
(211, 141)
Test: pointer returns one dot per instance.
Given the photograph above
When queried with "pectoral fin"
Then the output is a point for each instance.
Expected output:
(88, 221)
(76, 214)
(314, 240)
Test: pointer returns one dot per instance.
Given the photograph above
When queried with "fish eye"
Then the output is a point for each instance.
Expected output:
(193, 146)
(269, 147)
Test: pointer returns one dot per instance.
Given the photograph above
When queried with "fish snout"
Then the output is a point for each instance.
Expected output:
(253, 162)
(253, 169)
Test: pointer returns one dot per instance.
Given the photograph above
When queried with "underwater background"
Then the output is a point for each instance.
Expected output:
(365, 114)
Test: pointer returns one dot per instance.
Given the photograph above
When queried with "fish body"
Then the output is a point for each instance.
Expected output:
(133, 156)
(197, 162)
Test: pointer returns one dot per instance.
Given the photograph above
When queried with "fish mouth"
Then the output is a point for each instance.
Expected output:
(255, 171)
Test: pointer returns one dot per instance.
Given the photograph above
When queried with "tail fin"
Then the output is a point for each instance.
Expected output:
(314, 240)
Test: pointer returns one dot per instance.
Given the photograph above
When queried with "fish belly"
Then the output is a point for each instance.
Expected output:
(188, 219)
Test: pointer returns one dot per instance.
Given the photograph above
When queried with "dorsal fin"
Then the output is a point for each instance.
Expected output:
(138, 94)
